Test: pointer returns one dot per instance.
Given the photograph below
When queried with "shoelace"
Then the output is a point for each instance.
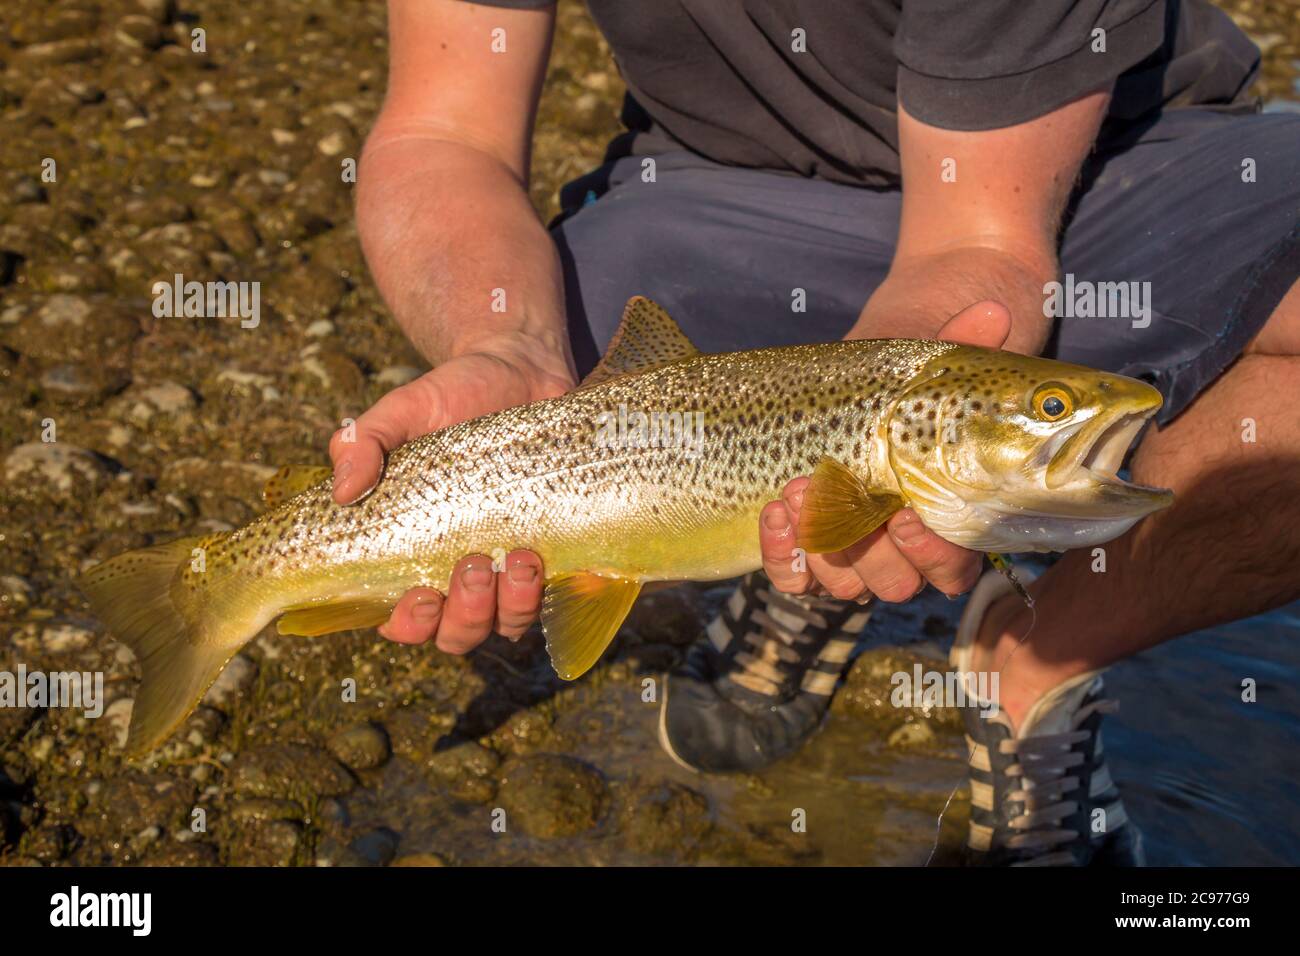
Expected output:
(778, 654)
(1043, 765)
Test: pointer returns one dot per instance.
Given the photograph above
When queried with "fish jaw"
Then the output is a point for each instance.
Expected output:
(1068, 495)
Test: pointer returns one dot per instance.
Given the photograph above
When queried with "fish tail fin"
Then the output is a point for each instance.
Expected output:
(140, 596)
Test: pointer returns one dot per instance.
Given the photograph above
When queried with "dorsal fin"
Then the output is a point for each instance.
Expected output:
(646, 338)
(293, 480)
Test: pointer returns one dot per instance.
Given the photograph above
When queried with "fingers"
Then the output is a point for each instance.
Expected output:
(776, 537)
(519, 594)
(832, 573)
(893, 563)
(882, 569)
(471, 605)
(478, 602)
(986, 324)
(415, 618)
(950, 568)
(358, 450)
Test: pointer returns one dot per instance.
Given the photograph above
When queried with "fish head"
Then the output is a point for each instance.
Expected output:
(1004, 452)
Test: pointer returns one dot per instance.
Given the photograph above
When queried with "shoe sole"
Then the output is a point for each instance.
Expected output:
(664, 742)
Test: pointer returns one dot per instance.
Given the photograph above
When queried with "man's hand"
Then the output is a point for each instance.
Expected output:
(979, 221)
(446, 224)
(478, 601)
(893, 562)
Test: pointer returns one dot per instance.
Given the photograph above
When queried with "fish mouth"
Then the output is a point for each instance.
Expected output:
(1091, 454)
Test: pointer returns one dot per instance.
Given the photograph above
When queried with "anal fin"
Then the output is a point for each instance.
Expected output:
(840, 509)
(581, 613)
(313, 620)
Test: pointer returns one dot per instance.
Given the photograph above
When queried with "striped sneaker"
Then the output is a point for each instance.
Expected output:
(757, 683)
(1042, 796)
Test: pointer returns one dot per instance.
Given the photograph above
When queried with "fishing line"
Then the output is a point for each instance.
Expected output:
(1003, 566)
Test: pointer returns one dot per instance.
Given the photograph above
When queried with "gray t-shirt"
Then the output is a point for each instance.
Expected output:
(811, 86)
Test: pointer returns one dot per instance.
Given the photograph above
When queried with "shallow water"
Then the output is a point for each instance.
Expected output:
(1209, 779)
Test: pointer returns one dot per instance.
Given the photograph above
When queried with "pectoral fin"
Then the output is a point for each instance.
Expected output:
(840, 509)
(581, 613)
(293, 480)
(313, 620)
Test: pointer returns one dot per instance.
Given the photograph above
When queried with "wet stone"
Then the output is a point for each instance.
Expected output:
(14, 723)
(50, 843)
(138, 32)
(55, 468)
(15, 592)
(66, 277)
(168, 399)
(72, 328)
(160, 11)
(376, 847)
(83, 383)
(664, 819)
(72, 50)
(910, 735)
(307, 293)
(274, 843)
(182, 854)
(263, 810)
(870, 686)
(550, 795)
(288, 771)
(415, 730)
(41, 25)
(135, 800)
(361, 746)
(66, 637)
(467, 759)
(29, 188)
(419, 859)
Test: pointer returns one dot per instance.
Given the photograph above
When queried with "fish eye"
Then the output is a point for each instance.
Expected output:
(1052, 404)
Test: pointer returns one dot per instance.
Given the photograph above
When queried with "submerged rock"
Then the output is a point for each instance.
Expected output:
(550, 795)
(55, 468)
(664, 819)
(361, 746)
(288, 771)
(376, 847)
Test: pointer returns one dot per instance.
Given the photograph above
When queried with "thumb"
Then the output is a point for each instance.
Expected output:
(985, 323)
(358, 450)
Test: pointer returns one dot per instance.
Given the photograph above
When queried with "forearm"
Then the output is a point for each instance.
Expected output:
(443, 225)
(981, 213)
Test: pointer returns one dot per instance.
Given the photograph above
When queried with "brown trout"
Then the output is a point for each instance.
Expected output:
(654, 469)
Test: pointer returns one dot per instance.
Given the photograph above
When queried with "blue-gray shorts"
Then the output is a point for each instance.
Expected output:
(722, 248)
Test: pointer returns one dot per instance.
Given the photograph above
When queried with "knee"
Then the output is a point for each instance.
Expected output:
(1281, 333)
